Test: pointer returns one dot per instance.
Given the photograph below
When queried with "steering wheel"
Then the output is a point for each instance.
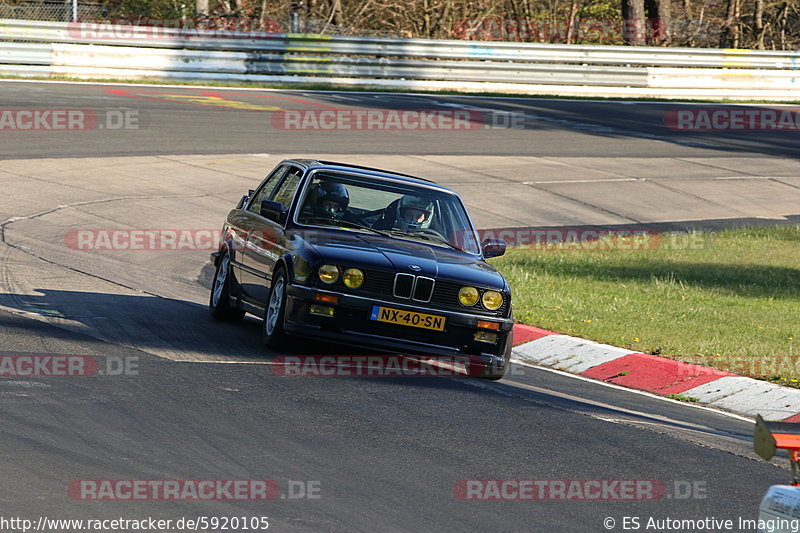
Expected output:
(432, 232)
(368, 214)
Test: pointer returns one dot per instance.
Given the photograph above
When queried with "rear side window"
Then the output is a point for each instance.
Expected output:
(265, 191)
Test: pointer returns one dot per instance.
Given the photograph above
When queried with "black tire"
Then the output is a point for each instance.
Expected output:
(495, 372)
(272, 331)
(219, 302)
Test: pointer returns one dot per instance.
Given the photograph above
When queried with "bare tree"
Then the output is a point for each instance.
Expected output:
(573, 13)
(659, 19)
(336, 13)
(633, 31)
(758, 24)
(730, 28)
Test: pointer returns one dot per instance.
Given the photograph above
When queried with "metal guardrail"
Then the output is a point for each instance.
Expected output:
(90, 50)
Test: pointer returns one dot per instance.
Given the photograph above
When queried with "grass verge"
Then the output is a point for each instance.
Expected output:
(730, 299)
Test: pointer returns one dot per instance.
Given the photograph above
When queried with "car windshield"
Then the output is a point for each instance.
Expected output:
(389, 208)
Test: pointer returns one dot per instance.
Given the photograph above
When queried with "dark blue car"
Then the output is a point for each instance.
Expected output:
(364, 257)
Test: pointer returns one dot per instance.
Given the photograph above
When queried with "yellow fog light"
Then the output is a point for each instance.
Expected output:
(485, 336)
(322, 310)
(329, 274)
(492, 300)
(353, 278)
(468, 296)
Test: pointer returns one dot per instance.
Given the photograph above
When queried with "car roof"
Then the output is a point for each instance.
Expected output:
(334, 165)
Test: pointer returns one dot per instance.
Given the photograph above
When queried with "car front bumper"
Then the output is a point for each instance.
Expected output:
(351, 324)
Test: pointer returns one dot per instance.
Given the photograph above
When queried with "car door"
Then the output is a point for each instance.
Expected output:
(247, 220)
(267, 242)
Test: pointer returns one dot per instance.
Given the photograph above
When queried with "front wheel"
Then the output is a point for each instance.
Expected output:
(219, 303)
(494, 372)
(272, 330)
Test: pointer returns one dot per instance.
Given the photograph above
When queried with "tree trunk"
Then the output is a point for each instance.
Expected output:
(758, 24)
(337, 17)
(687, 8)
(783, 17)
(658, 22)
(730, 29)
(633, 33)
(201, 7)
(573, 13)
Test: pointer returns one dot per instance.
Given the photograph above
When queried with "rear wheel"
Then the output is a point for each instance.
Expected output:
(219, 303)
(272, 327)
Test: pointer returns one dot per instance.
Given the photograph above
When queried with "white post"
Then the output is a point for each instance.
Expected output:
(74, 10)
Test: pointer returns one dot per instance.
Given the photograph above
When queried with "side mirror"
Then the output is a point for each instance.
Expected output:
(273, 211)
(493, 247)
(244, 199)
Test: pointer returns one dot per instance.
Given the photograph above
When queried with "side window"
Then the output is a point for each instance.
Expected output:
(286, 191)
(265, 191)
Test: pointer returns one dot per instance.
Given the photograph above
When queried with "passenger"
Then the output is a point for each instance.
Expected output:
(408, 214)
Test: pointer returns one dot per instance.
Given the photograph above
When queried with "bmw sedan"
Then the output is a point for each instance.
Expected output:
(364, 257)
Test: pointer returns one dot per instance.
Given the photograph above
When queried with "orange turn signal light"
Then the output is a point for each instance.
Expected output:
(327, 298)
(485, 324)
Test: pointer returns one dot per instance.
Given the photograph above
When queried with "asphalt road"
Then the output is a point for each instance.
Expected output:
(202, 400)
(179, 120)
(385, 454)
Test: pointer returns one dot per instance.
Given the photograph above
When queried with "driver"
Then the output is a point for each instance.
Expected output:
(330, 200)
(409, 214)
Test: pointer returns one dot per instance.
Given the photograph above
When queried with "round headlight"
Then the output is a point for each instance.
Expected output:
(353, 278)
(492, 300)
(329, 274)
(468, 296)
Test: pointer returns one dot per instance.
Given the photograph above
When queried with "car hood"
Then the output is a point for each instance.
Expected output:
(368, 251)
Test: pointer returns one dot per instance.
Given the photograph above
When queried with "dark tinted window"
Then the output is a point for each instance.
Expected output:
(265, 191)
(286, 191)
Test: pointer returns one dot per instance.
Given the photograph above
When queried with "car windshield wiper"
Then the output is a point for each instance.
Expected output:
(345, 224)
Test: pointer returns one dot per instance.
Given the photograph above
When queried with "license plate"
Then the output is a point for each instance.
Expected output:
(407, 318)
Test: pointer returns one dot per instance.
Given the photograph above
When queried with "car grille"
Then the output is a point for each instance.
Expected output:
(409, 286)
(438, 293)
(403, 285)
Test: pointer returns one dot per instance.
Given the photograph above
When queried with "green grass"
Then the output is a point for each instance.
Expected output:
(729, 299)
(682, 398)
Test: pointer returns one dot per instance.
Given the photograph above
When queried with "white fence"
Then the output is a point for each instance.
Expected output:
(90, 51)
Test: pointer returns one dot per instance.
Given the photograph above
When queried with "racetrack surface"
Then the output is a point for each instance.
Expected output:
(206, 403)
